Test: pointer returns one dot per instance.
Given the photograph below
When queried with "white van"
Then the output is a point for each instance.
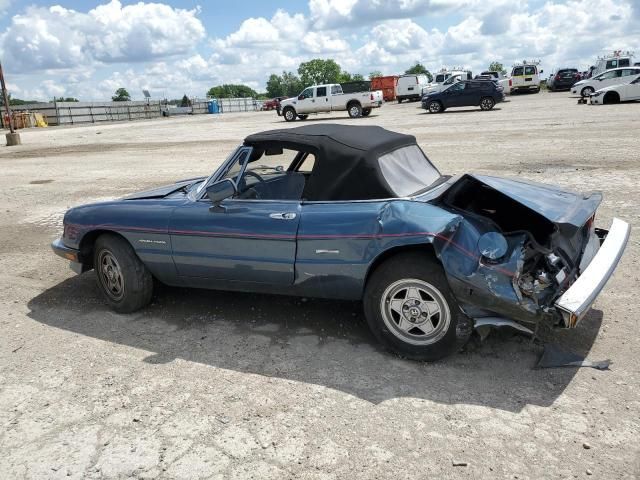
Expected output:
(617, 59)
(615, 76)
(409, 87)
(526, 76)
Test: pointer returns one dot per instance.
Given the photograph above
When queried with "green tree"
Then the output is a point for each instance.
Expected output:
(319, 71)
(275, 86)
(121, 95)
(357, 77)
(419, 69)
(344, 77)
(291, 84)
(375, 74)
(496, 66)
(232, 91)
(185, 102)
(65, 99)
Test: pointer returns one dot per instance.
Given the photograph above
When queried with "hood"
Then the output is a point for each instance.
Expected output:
(288, 100)
(161, 192)
(556, 205)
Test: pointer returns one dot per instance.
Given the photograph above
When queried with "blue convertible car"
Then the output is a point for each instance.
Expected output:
(357, 212)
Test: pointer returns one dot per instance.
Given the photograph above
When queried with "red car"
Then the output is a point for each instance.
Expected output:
(272, 104)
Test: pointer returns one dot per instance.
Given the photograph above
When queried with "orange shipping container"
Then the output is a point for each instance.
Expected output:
(387, 85)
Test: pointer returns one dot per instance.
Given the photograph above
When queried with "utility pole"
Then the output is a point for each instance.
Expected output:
(13, 138)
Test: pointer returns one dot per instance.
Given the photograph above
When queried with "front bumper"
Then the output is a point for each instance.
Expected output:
(71, 254)
(577, 300)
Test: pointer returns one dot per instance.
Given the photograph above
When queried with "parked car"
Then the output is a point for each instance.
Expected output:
(615, 76)
(272, 104)
(358, 213)
(438, 87)
(467, 93)
(526, 77)
(409, 87)
(625, 92)
(329, 98)
(617, 59)
(563, 79)
(500, 78)
(387, 85)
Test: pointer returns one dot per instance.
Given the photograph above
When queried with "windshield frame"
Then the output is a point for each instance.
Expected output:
(201, 192)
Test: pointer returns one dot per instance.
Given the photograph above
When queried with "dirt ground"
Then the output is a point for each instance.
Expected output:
(209, 384)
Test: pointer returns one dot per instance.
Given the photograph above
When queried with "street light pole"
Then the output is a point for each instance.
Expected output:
(13, 138)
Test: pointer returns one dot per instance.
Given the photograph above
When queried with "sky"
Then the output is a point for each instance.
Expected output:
(88, 49)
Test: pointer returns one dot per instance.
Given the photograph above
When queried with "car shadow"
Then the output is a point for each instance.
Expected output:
(312, 341)
(468, 110)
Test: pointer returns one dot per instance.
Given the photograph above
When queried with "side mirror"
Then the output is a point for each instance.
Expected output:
(541, 71)
(219, 191)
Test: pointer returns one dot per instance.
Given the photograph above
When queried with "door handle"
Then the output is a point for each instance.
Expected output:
(283, 216)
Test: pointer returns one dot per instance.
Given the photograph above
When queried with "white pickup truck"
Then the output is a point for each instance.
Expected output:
(329, 98)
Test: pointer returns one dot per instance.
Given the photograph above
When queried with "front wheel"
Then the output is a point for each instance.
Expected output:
(366, 112)
(411, 310)
(586, 92)
(355, 110)
(435, 106)
(124, 280)
(289, 114)
(487, 103)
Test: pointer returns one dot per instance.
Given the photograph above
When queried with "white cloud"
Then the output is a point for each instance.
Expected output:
(57, 38)
(157, 47)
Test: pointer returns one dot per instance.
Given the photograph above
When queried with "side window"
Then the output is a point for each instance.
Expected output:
(530, 70)
(336, 90)
(235, 168)
(608, 75)
(321, 92)
(517, 71)
(612, 64)
(627, 72)
(307, 164)
(458, 87)
(623, 62)
(267, 178)
(307, 93)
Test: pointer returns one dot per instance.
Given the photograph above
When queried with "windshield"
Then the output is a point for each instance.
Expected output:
(225, 165)
(407, 170)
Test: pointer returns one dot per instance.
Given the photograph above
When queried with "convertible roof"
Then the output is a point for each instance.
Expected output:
(346, 166)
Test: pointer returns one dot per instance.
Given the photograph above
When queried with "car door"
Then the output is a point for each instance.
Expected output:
(631, 90)
(454, 96)
(322, 103)
(517, 75)
(306, 102)
(243, 240)
(609, 78)
(530, 75)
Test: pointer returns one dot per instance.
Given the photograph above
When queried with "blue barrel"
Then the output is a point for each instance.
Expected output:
(213, 106)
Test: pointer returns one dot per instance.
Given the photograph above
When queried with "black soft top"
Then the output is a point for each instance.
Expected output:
(346, 166)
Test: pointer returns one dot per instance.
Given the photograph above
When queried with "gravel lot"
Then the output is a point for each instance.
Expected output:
(209, 384)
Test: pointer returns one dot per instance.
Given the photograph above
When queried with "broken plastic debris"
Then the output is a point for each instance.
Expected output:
(553, 356)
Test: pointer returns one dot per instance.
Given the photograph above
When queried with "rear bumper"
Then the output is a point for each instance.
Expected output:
(577, 300)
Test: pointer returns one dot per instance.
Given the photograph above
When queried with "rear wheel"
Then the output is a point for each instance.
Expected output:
(289, 114)
(400, 99)
(354, 109)
(411, 310)
(586, 91)
(435, 106)
(487, 103)
(366, 112)
(125, 282)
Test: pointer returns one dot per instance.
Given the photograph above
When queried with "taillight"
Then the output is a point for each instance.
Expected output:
(558, 77)
(510, 82)
(372, 96)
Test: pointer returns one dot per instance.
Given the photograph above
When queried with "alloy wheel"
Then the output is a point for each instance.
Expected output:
(111, 276)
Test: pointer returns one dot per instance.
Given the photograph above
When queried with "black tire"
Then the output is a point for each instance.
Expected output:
(136, 281)
(587, 91)
(354, 109)
(366, 112)
(303, 117)
(451, 328)
(435, 107)
(400, 99)
(487, 103)
(289, 114)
